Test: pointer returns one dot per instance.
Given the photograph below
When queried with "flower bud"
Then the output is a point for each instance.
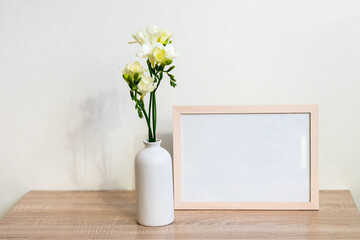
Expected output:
(140, 37)
(168, 61)
(126, 77)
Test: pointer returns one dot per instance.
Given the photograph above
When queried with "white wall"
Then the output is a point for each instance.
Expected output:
(67, 122)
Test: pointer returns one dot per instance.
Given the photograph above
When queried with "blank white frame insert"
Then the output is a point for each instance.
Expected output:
(246, 157)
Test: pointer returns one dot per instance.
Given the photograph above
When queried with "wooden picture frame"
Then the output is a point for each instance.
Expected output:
(216, 148)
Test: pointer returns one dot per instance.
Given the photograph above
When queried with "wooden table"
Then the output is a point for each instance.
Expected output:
(111, 215)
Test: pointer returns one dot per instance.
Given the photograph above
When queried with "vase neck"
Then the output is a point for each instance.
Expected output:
(152, 144)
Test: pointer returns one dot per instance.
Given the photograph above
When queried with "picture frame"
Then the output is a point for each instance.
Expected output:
(246, 157)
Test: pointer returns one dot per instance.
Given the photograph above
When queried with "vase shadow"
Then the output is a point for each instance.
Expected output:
(123, 205)
(90, 143)
(167, 142)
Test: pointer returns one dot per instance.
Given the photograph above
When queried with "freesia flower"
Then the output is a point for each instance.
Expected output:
(170, 51)
(145, 51)
(165, 34)
(146, 85)
(140, 37)
(158, 53)
(154, 33)
(131, 69)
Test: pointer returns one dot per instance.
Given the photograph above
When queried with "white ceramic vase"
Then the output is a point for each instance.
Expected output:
(154, 186)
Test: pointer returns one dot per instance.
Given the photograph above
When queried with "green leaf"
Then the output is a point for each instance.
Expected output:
(138, 108)
(171, 68)
(125, 77)
(166, 42)
(149, 67)
(161, 75)
(137, 81)
(136, 76)
(162, 67)
(168, 61)
(173, 84)
(141, 102)
(140, 113)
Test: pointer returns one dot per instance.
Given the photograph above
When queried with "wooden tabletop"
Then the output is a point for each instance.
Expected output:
(111, 215)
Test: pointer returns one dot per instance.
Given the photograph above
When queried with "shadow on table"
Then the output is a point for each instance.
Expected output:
(120, 205)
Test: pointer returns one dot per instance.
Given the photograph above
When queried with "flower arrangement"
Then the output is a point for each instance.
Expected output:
(157, 48)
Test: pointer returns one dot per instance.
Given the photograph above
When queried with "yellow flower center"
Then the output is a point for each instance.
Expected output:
(162, 38)
(159, 55)
(136, 67)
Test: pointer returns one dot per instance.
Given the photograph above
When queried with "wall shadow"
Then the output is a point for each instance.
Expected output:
(167, 142)
(90, 141)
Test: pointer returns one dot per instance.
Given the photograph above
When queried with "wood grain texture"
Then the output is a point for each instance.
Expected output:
(111, 215)
(312, 204)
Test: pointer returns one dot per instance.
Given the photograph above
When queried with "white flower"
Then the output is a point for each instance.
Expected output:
(165, 34)
(146, 52)
(146, 85)
(140, 37)
(158, 53)
(154, 50)
(131, 69)
(154, 33)
(170, 51)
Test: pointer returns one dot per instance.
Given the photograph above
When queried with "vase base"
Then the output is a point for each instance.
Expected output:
(155, 225)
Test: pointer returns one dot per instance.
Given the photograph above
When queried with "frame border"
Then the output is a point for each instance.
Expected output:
(313, 110)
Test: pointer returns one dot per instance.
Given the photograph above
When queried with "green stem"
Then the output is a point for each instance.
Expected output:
(152, 105)
(148, 122)
(158, 82)
(153, 100)
(154, 115)
(150, 102)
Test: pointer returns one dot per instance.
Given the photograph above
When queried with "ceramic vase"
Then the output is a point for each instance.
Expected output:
(154, 185)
